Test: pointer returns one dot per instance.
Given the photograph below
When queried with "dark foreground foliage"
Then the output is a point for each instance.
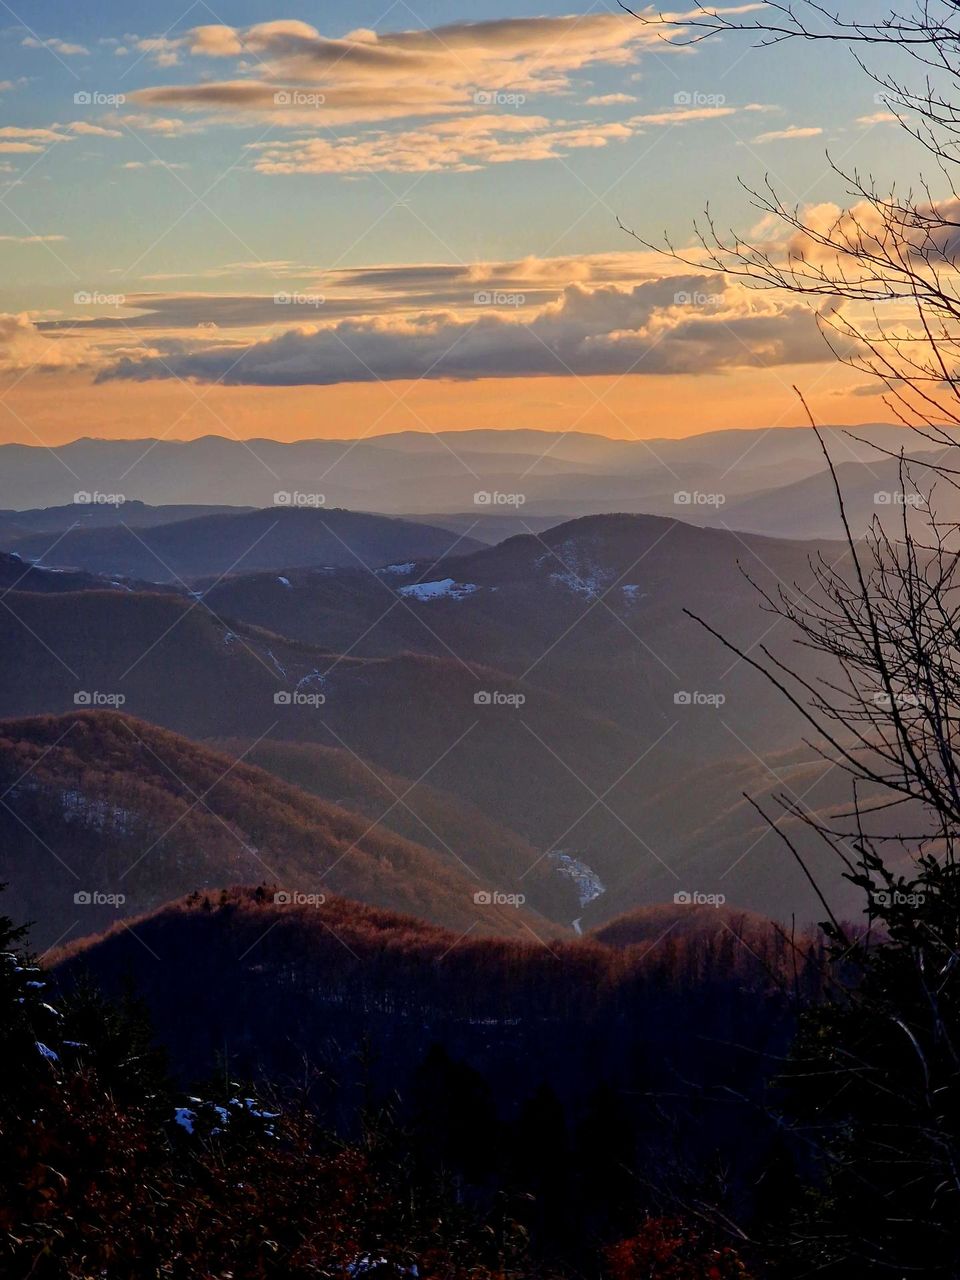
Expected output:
(107, 1170)
(483, 1109)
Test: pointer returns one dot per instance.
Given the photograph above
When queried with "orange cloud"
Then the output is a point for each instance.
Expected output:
(460, 145)
(365, 76)
(691, 324)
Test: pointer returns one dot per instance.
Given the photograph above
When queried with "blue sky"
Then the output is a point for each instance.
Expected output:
(407, 160)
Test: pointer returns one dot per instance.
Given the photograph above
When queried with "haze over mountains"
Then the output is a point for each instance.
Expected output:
(107, 817)
(475, 817)
(538, 713)
(529, 711)
(751, 479)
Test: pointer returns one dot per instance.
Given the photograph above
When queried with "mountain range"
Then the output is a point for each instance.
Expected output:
(538, 705)
(481, 482)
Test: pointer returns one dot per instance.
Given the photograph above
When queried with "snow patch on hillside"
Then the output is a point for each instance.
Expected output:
(98, 814)
(444, 589)
(572, 566)
(313, 677)
(587, 882)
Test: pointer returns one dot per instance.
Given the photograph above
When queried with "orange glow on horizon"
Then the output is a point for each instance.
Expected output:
(43, 410)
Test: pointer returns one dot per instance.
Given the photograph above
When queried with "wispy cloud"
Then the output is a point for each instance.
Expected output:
(791, 134)
(463, 144)
(63, 47)
(609, 99)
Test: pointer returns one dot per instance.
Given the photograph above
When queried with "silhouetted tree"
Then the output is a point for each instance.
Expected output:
(873, 1084)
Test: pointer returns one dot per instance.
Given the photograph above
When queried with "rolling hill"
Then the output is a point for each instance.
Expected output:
(875, 490)
(215, 545)
(166, 659)
(18, 575)
(99, 806)
(421, 813)
(648, 926)
(272, 986)
(710, 835)
(592, 609)
(565, 709)
(98, 514)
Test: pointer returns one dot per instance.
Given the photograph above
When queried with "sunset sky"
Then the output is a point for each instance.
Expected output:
(290, 222)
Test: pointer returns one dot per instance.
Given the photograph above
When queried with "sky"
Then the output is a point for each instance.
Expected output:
(303, 220)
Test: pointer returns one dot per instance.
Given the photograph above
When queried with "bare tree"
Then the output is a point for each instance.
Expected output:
(875, 1079)
(885, 246)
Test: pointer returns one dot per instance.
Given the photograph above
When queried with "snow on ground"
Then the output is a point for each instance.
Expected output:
(588, 883)
(284, 582)
(368, 1262)
(572, 566)
(313, 677)
(445, 589)
(184, 1117)
(398, 568)
(76, 806)
(187, 1117)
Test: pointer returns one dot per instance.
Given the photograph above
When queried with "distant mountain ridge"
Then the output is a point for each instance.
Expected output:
(536, 473)
(236, 542)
